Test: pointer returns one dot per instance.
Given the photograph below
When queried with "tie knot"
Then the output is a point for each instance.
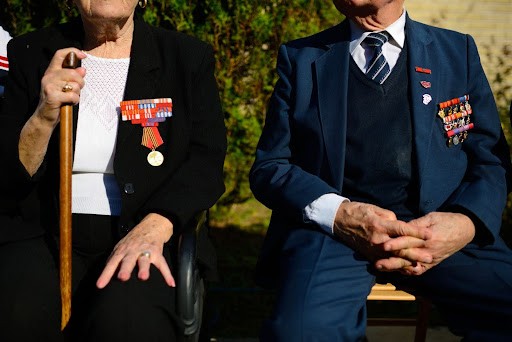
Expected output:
(377, 39)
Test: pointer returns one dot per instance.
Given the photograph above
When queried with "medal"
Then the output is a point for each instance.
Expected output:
(148, 113)
(155, 158)
(455, 140)
(151, 138)
(456, 117)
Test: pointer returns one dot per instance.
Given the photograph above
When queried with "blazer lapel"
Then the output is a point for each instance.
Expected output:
(331, 70)
(424, 88)
(143, 73)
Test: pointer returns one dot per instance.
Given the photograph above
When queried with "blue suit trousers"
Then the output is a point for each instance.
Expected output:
(324, 284)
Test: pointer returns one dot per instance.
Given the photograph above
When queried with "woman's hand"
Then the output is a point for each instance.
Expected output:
(59, 86)
(142, 246)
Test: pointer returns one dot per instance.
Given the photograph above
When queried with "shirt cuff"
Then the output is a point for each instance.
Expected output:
(322, 211)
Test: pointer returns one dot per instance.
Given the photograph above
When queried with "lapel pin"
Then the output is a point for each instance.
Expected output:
(423, 70)
(425, 84)
(426, 99)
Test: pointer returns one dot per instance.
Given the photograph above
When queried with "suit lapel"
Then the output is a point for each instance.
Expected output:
(331, 70)
(424, 89)
(142, 81)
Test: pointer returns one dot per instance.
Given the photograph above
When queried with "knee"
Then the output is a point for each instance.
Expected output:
(29, 291)
(126, 312)
(318, 323)
(29, 315)
(281, 330)
(310, 331)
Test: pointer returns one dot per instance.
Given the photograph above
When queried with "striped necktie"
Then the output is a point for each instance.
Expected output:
(378, 69)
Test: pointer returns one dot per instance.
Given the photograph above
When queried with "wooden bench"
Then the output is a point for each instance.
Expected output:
(390, 292)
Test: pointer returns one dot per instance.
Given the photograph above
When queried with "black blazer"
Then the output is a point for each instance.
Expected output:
(163, 64)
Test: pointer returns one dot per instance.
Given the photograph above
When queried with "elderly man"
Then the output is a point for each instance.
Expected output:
(380, 156)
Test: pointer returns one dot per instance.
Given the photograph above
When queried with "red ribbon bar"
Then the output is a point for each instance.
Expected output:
(454, 101)
(460, 130)
(455, 116)
(423, 70)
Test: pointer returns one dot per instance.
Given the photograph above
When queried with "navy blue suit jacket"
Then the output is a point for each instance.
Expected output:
(300, 155)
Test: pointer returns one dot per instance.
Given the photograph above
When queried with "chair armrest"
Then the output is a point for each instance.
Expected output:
(189, 286)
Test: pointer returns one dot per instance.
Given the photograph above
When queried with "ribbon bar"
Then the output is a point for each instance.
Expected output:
(454, 101)
(460, 130)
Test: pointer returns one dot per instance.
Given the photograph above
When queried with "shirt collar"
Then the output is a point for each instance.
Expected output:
(395, 30)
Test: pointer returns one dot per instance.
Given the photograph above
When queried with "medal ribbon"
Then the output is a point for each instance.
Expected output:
(151, 137)
(454, 101)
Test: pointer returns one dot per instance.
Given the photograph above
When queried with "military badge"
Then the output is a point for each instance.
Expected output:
(148, 113)
(456, 117)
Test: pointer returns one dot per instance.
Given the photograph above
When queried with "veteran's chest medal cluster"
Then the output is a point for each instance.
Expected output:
(148, 113)
(456, 115)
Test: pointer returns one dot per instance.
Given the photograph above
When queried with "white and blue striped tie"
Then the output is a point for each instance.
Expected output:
(378, 69)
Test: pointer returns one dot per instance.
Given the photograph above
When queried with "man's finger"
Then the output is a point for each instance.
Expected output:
(392, 264)
(414, 270)
(400, 228)
(415, 255)
(403, 242)
(384, 213)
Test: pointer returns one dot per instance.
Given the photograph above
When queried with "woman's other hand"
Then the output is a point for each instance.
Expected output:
(142, 246)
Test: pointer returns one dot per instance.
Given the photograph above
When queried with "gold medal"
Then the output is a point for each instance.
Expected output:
(155, 158)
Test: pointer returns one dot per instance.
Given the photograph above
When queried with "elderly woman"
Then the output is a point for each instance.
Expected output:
(135, 181)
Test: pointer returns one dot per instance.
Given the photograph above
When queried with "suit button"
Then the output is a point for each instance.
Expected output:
(129, 189)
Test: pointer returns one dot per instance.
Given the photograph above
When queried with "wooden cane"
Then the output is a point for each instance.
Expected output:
(66, 165)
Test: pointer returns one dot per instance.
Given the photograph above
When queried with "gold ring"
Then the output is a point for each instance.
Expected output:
(67, 87)
(146, 254)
